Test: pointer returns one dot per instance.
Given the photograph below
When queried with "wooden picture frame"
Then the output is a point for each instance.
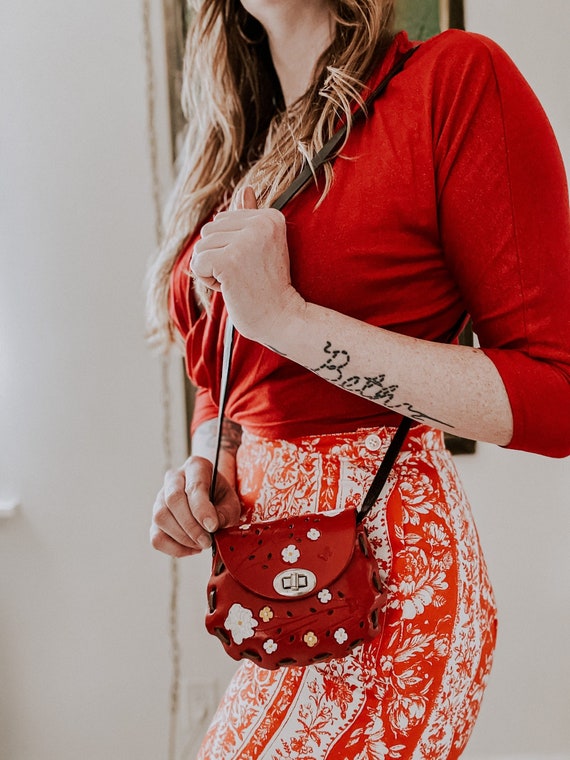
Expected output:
(176, 17)
(421, 18)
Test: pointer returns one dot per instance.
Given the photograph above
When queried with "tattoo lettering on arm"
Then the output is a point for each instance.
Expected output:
(375, 388)
(336, 361)
(415, 414)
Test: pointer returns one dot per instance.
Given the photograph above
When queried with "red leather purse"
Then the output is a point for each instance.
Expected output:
(304, 589)
(299, 590)
(294, 591)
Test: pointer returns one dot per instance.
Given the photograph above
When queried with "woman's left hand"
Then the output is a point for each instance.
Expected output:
(243, 252)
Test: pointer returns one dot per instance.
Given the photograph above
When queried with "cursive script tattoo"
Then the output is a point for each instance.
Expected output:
(375, 388)
(336, 361)
(415, 414)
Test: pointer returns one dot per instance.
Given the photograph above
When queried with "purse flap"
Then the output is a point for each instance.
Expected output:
(290, 557)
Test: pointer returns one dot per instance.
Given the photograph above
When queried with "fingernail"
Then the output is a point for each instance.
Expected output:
(204, 542)
(210, 524)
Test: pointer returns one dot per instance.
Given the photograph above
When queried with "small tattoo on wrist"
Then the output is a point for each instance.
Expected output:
(231, 435)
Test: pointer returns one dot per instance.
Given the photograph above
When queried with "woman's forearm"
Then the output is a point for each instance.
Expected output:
(244, 253)
(453, 388)
(204, 445)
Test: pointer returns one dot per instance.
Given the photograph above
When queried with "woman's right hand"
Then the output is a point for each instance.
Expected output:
(183, 515)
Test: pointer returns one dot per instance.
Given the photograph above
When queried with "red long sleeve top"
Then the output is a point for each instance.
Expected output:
(450, 199)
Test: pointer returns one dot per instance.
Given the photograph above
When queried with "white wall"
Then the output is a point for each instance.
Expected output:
(84, 665)
(522, 502)
(84, 662)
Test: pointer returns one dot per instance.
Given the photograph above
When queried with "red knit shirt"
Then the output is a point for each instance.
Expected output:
(450, 199)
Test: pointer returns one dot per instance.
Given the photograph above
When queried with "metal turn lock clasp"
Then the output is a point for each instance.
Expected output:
(294, 582)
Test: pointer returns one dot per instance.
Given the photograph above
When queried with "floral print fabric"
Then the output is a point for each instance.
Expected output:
(415, 691)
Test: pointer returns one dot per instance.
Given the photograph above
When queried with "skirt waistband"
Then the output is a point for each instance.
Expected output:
(278, 478)
(367, 441)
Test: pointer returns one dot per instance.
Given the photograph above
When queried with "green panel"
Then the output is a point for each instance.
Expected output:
(420, 18)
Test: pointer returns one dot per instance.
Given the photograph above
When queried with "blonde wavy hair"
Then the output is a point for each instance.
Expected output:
(239, 131)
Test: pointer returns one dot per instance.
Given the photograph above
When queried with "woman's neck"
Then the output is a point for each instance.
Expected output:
(299, 31)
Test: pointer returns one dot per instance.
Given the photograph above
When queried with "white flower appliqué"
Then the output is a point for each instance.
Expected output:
(240, 623)
(340, 635)
(290, 554)
(270, 646)
(313, 534)
(324, 596)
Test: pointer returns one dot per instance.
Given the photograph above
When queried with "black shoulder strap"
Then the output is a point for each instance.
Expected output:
(226, 364)
(385, 468)
(329, 147)
(306, 174)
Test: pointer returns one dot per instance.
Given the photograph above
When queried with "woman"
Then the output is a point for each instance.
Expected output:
(449, 200)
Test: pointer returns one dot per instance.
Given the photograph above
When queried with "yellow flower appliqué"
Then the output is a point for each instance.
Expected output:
(310, 639)
(266, 614)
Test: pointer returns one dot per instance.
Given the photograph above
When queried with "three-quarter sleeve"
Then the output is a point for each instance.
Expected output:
(183, 313)
(505, 230)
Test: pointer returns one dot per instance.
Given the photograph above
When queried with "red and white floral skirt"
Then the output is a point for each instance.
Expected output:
(415, 691)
